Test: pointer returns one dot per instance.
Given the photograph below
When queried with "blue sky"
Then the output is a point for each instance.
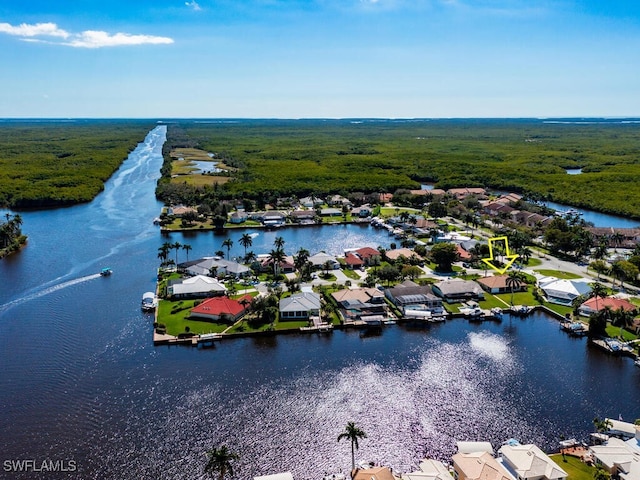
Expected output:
(319, 58)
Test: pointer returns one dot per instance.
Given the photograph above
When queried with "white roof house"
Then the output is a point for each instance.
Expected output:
(528, 462)
(429, 470)
(473, 447)
(300, 305)
(479, 466)
(563, 291)
(320, 258)
(275, 476)
(200, 285)
(618, 457)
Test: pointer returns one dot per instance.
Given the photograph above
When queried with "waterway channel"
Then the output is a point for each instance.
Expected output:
(81, 379)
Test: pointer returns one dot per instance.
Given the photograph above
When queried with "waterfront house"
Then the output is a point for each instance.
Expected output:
(563, 291)
(275, 476)
(372, 473)
(331, 212)
(595, 304)
(498, 284)
(221, 309)
(195, 287)
(618, 457)
(353, 261)
(273, 218)
(300, 306)
(457, 290)
(361, 303)
(319, 259)
(410, 293)
(528, 462)
(238, 217)
(302, 216)
(478, 466)
(285, 266)
(429, 470)
(402, 252)
(362, 212)
(362, 295)
(370, 256)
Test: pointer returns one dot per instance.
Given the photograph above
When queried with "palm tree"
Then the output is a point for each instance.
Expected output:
(276, 256)
(279, 243)
(246, 241)
(250, 257)
(220, 462)
(622, 318)
(352, 433)
(187, 248)
(300, 261)
(617, 239)
(228, 243)
(513, 280)
(176, 246)
(598, 290)
(617, 272)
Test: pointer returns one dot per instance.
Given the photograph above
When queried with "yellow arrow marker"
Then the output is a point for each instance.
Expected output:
(510, 258)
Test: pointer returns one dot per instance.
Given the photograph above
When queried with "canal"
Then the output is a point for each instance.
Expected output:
(82, 380)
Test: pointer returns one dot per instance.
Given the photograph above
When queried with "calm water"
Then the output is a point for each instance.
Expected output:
(81, 379)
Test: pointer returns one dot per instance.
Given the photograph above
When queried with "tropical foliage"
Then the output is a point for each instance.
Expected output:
(44, 164)
(278, 158)
(353, 434)
(11, 237)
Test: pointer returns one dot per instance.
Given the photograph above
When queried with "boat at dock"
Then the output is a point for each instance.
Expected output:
(637, 362)
(149, 301)
(576, 329)
(520, 309)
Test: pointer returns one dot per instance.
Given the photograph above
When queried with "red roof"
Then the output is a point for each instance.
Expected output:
(352, 259)
(220, 305)
(367, 252)
(462, 253)
(611, 302)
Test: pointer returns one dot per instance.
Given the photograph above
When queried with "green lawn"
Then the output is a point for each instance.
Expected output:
(560, 309)
(491, 301)
(519, 298)
(350, 274)
(177, 321)
(534, 262)
(614, 332)
(557, 274)
(575, 468)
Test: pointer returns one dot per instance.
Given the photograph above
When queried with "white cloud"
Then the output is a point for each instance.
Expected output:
(86, 39)
(98, 39)
(194, 5)
(26, 30)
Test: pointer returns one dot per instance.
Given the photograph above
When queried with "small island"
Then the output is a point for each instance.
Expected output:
(11, 237)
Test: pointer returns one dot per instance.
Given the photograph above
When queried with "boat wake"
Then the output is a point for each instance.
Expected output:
(46, 290)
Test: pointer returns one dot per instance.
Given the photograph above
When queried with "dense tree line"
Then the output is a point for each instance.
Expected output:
(280, 158)
(45, 164)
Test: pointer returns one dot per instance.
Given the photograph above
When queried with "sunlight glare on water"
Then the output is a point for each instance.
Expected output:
(446, 393)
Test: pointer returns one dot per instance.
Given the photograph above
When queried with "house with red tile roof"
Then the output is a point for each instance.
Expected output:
(595, 304)
(498, 284)
(368, 255)
(353, 261)
(462, 253)
(223, 309)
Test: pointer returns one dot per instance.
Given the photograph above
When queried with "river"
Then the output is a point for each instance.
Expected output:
(82, 381)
